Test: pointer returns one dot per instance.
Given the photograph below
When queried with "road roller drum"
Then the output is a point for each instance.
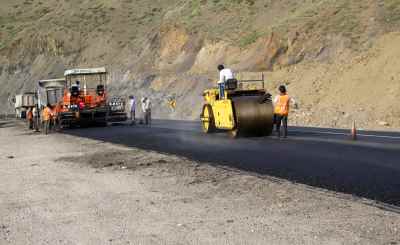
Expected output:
(253, 116)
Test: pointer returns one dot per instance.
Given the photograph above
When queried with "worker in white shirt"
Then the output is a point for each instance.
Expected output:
(146, 108)
(35, 119)
(132, 109)
(225, 74)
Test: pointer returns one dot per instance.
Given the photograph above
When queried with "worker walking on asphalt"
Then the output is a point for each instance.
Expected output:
(54, 116)
(225, 74)
(35, 118)
(146, 108)
(29, 117)
(132, 105)
(47, 115)
(282, 104)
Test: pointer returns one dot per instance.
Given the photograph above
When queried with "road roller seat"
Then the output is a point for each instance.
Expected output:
(231, 84)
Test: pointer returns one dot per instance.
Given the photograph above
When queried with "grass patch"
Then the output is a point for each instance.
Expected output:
(249, 39)
(392, 9)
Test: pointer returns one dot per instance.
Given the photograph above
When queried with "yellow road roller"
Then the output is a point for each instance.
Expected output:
(245, 110)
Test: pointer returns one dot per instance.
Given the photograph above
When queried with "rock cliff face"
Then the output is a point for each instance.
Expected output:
(338, 58)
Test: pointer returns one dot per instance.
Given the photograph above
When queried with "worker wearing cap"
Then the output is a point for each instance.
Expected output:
(47, 115)
(281, 111)
(78, 85)
(224, 75)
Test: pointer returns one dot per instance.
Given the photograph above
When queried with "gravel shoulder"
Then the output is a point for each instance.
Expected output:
(60, 189)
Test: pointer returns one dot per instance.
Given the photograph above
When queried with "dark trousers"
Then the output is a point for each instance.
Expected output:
(133, 116)
(147, 117)
(30, 124)
(46, 126)
(36, 123)
(281, 120)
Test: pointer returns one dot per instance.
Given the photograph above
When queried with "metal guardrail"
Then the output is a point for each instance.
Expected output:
(262, 80)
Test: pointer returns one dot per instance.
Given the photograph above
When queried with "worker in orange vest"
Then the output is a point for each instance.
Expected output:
(281, 111)
(47, 115)
(29, 117)
(55, 112)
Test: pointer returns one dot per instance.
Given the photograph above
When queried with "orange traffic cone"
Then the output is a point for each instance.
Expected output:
(354, 131)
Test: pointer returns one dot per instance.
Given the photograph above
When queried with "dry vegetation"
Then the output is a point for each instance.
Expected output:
(174, 45)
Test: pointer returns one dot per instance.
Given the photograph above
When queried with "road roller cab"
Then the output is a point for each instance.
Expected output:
(246, 109)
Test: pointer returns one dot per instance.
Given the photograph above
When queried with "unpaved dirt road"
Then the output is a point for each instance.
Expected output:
(63, 189)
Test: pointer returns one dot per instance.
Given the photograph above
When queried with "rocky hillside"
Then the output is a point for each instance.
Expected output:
(338, 58)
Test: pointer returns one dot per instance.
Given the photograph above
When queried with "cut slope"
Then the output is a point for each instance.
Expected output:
(171, 48)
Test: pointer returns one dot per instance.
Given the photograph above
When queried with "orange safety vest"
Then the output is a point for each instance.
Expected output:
(46, 114)
(30, 115)
(282, 106)
(57, 110)
(99, 99)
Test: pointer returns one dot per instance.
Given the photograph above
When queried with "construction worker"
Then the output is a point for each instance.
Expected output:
(281, 111)
(55, 112)
(100, 98)
(29, 117)
(78, 85)
(35, 118)
(75, 89)
(143, 101)
(132, 109)
(146, 108)
(225, 74)
(47, 112)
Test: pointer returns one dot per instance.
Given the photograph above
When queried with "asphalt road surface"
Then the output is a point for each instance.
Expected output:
(325, 158)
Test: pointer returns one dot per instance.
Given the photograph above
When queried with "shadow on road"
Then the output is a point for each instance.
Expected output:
(364, 171)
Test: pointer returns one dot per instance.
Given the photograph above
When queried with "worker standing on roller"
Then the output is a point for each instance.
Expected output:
(282, 104)
(225, 74)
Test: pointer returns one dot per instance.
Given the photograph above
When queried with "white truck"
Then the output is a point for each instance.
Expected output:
(23, 102)
(50, 91)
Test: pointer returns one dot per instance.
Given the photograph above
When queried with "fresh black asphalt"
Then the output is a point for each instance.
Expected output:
(324, 158)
